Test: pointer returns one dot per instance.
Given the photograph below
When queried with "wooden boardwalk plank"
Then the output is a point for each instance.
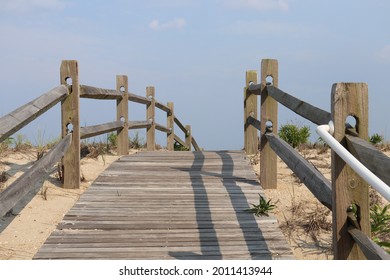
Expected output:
(169, 205)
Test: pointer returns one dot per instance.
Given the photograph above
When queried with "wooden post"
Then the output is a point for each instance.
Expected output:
(122, 114)
(269, 113)
(250, 110)
(150, 116)
(70, 119)
(348, 99)
(170, 126)
(189, 137)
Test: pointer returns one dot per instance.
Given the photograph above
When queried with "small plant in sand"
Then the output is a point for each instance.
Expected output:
(380, 225)
(294, 135)
(263, 208)
(376, 139)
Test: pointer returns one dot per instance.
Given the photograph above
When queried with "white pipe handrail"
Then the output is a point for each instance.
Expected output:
(326, 131)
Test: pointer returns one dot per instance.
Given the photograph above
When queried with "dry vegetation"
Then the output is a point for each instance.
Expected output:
(305, 222)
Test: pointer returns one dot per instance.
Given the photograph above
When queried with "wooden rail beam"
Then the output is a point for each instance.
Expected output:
(349, 190)
(70, 118)
(18, 189)
(99, 93)
(122, 114)
(150, 116)
(319, 186)
(195, 145)
(22, 116)
(376, 161)
(269, 113)
(94, 130)
(140, 124)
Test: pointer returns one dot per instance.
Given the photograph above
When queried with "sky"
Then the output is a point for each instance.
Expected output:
(195, 53)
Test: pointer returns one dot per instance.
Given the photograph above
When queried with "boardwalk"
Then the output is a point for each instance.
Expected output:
(169, 205)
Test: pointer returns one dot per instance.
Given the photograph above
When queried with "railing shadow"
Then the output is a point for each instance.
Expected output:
(247, 221)
(209, 243)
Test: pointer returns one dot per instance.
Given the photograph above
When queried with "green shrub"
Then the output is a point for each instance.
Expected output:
(376, 139)
(179, 147)
(294, 135)
(136, 142)
(380, 225)
(263, 208)
(112, 139)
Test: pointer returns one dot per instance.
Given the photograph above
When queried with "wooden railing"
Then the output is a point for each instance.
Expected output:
(68, 149)
(346, 191)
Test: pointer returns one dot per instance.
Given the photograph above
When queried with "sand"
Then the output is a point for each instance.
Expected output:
(24, 231)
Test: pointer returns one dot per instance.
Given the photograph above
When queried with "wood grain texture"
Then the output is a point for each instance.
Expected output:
(70, 116)
(376, 161)
(169, 205)
(348, 99)
(251, 141)
(18, 189)
(268, 112)
(319, 186)
(122, 115)
(99, 93)
(304, 109)
(19, 118)
(151, 116)
(94, 130)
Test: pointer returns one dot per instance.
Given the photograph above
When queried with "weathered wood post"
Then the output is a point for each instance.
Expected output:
(150, 116)
(122, 114)
(251, 144)
(70, 120)
(188, 137)
(269, 116)
(349, 190)
(170, 126)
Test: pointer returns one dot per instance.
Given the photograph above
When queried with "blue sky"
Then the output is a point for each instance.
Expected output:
(195, 53)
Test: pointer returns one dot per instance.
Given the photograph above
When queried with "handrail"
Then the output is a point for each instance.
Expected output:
(326, 131)
(14, 192)
(99, 93)
(90, 131)
(25, 114)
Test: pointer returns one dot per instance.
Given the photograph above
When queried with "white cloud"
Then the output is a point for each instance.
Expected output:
(259, 5)
(176, 23)
(22, 6)
(384, 53)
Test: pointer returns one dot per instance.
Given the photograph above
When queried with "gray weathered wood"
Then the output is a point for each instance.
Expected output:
(139, 124)
(90, 131)
(163, 107)
(195, 144)
(306, 172)
(188, 138)
(162, 128)
(348, 99)
(171, 126)
(251, 144)
(194, 209)
(22, 116)
(371, 250)
(371, 157)
(11, 195)
(268, 113)
(151, 116)
(122, 114)
(138, 99)
(304, 109)
(254, 122)
(180, 125)
(181, 142)
(99, 93)
(70, 116)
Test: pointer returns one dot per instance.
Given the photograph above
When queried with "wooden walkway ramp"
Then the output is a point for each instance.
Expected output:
(169, 205)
